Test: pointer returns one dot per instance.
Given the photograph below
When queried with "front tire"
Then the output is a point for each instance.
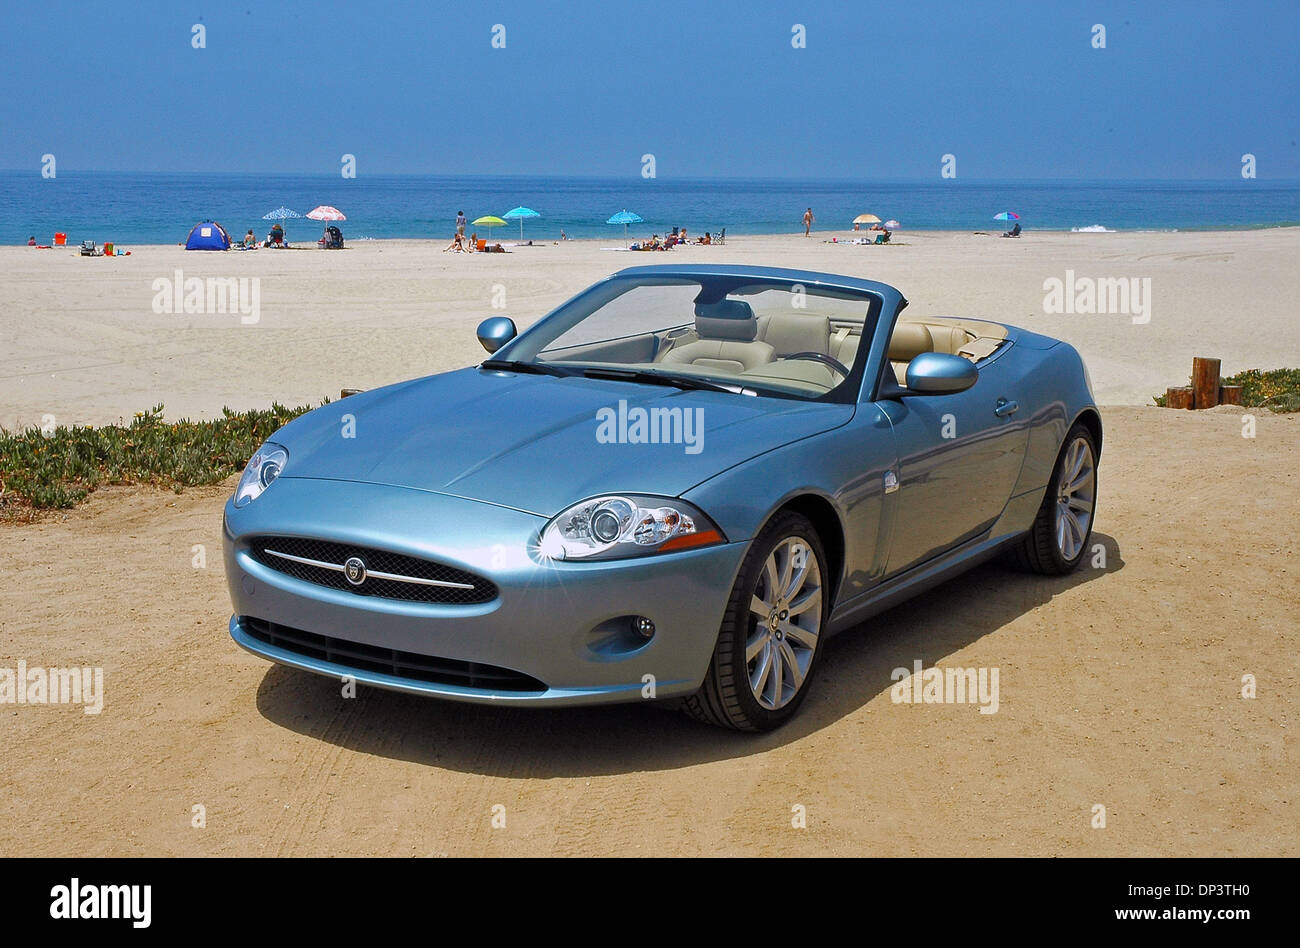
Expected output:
(1058, 540)
(771, 633)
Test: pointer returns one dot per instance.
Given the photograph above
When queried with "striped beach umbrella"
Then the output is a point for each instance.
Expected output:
(1006, 216)
(281, 213)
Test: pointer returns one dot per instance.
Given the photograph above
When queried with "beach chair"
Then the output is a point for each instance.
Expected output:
(720, 237)
(60, 240)
(88, 249)
(482, 244)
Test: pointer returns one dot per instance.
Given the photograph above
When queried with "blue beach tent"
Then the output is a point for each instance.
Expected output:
(208, 235)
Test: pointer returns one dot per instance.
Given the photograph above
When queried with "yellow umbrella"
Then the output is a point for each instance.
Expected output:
(489, 222)
(866, 219)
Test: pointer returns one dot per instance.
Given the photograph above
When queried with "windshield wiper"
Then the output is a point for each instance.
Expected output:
(532, 368)
(663, 378)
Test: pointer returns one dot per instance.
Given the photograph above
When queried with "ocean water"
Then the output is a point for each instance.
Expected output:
(160, 208)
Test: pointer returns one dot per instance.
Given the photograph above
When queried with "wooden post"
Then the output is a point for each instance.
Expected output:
(1229, 394)
(1205, 382)
(345, 392)
(1180, 397)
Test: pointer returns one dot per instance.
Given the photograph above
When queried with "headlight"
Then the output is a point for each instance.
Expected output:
(621, 525)
(264, 468)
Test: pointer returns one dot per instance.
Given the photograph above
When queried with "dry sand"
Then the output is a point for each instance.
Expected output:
(79, 338)
(1120, 685)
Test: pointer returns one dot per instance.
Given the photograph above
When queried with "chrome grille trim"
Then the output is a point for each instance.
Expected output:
(374, 574)
(389, 574)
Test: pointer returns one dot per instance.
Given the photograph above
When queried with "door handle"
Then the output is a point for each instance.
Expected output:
(1005, 408)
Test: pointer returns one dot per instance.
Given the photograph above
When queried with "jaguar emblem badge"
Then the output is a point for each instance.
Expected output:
(355, 570)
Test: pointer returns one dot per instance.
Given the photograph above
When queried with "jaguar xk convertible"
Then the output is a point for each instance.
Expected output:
(675, 486)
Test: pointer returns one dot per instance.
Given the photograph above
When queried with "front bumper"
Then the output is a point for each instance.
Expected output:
(567, 625)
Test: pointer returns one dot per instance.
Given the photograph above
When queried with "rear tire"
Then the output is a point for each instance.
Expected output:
(771, 634)
(1056, 543)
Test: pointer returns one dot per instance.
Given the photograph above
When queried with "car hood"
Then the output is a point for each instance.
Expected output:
(531, 441)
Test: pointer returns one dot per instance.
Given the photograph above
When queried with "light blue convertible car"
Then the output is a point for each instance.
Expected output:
(674, 486)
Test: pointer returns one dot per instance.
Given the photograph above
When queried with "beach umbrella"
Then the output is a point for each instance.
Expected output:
(489, 222)
(892, 225)
(866, 219)
(1006, 216)
(625, 217)
(281, 213)
(326, 213)
(520, 213)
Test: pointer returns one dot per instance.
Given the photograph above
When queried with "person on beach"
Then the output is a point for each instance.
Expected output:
(457, 244)
(31, 241)
(460, 223)
(808, 222)
(250, 241)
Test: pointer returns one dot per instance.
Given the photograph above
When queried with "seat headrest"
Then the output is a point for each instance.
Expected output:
(908, 341)
(726, 319)
(798, 332)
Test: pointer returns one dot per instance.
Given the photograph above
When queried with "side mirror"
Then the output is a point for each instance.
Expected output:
(495, 331)
(938, 373)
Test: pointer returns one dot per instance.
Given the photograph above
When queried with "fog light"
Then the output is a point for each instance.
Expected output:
(643, 626)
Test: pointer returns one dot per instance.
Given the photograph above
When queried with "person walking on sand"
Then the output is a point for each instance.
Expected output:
(808, 222)
(460, 223)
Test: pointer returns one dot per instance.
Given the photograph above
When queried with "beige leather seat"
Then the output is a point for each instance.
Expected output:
(908, 341)
(728, 332)
(844, 346)
(796, 332)
(950, 339)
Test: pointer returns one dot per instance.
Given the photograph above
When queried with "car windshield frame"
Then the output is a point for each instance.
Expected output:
(530, 346)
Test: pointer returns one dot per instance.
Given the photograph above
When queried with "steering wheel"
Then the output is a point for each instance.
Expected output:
(835, 365)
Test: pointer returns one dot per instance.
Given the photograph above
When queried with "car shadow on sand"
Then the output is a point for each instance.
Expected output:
(615, 739)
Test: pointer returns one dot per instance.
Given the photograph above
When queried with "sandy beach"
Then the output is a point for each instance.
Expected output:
(1121, 684)
(80, 339)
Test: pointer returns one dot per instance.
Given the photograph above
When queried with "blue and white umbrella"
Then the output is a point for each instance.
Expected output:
(520, 213)
(625, 217)
(281, 213)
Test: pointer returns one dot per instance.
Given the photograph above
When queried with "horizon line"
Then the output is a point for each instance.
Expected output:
(632, 179)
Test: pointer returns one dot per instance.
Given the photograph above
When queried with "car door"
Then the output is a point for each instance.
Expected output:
(959, 456)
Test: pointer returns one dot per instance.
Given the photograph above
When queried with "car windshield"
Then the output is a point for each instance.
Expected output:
(733, 333)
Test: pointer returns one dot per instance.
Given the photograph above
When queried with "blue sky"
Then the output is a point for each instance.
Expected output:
(711, 89)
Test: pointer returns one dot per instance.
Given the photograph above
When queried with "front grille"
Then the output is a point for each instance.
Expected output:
(390, 661)
(462, 588)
